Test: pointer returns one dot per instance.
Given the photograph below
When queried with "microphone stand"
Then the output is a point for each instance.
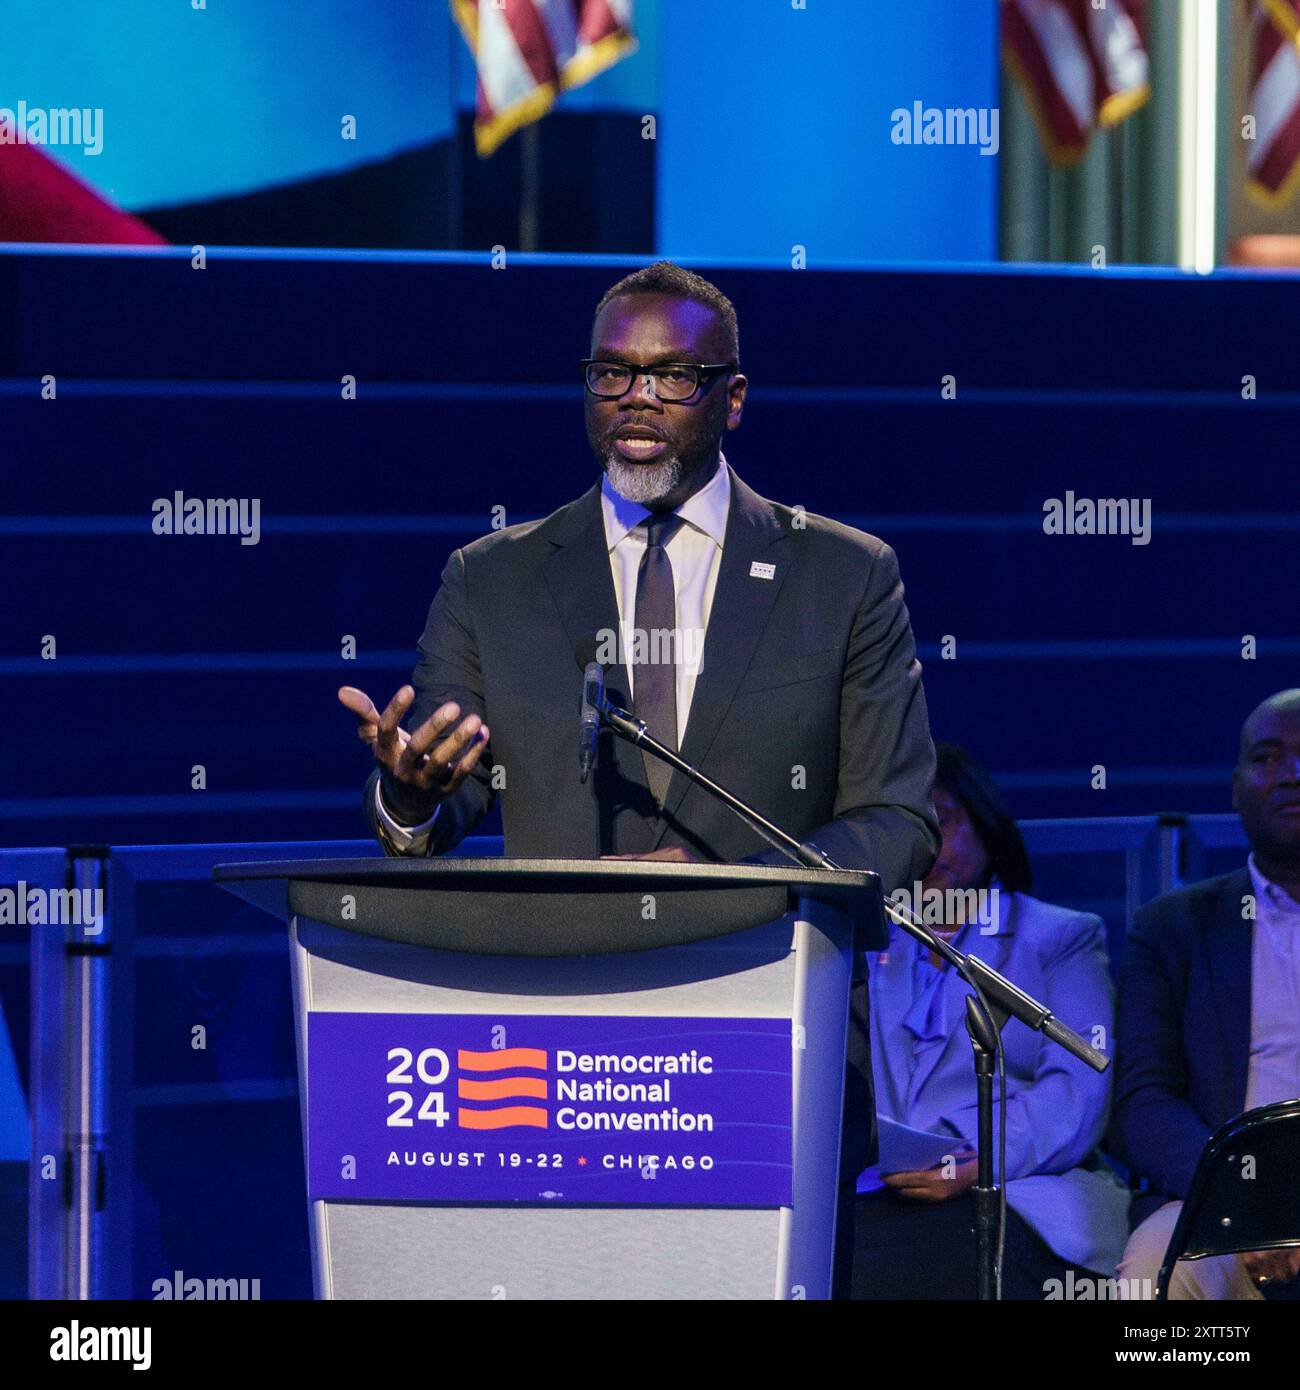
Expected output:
(998, 999)
(628, 726)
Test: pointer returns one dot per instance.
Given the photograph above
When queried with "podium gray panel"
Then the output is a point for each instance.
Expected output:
(519, 1253)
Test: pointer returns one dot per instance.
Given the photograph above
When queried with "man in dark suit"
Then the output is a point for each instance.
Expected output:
(772, 647)
(1209, 1012)
(807, 700)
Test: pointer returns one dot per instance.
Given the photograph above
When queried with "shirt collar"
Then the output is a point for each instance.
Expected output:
(1274, 893)
(706, 510)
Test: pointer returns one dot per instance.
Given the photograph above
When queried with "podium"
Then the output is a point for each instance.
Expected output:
(569, 1078)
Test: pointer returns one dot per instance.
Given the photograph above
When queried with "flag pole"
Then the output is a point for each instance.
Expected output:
(1197, 112)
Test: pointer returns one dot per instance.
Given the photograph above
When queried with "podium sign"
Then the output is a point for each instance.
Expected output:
(539, 1108)
(517, 1083)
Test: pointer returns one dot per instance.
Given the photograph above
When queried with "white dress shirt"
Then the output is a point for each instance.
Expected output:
(1274, 1072)
(695, 552)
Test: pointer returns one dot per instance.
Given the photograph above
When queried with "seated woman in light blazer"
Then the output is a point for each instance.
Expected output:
(1066, 1210)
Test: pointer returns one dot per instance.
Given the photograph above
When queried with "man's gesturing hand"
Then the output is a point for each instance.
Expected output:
(421, 768)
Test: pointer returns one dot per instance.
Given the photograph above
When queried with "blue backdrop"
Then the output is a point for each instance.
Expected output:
(173, 651)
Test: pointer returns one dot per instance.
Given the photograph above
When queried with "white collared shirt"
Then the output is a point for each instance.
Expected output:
(695, 552)
(1274, 1072)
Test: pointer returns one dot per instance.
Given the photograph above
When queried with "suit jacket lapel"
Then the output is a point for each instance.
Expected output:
(742, 605)
(1228, 944)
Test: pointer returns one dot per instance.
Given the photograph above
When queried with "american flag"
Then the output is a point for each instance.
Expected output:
(528, 51)
(1080, 67)
(1273, 165)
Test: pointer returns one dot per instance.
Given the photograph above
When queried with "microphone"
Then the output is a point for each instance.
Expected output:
(593, 702)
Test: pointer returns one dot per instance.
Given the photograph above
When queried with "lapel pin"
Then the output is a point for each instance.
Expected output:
(758, 570)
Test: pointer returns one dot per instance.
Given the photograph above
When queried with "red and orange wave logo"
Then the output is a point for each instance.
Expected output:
(512, 1088)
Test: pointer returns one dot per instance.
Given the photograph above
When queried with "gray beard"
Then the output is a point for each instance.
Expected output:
(644, 483)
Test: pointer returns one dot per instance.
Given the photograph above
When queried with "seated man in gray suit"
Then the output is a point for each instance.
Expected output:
(789, 674)
(1209, 1015)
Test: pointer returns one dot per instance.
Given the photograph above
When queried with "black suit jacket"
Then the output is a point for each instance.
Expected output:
(808, 705)
(1182, 1033)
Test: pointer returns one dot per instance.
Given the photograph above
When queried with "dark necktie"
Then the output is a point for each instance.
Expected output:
(654, 679)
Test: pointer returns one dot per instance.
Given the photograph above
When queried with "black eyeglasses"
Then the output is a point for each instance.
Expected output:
(673, 381)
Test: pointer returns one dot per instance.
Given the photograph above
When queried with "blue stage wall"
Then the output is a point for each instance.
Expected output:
(1070, 651)
(776, 128)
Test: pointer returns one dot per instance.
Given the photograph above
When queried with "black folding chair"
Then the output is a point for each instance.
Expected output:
(1245, 1194)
